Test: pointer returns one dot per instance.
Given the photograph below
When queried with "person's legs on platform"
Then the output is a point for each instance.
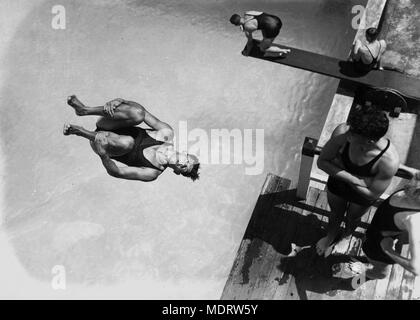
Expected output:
(355, 212)
(269, 50)
(338, 208)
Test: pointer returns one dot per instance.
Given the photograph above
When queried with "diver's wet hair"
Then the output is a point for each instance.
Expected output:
(235, 19)
(372, 34)
(193, 174)
(369, 122)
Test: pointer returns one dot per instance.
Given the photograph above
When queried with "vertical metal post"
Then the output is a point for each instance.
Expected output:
(306, 162)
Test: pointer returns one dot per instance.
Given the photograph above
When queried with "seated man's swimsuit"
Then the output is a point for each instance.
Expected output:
(269, 25)
(136, 158)
(342, 189)
(362, 67)
(382, 221)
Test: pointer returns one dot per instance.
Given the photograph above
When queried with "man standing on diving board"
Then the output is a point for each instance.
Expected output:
(270, 27)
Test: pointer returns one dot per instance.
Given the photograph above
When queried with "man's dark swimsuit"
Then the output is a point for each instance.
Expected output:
(362, 67)
(136, 158)
(382, 221)
(342, 189)
(269, 25)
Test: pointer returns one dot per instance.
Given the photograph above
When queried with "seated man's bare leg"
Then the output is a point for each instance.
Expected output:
(338, 207)
(125, 115)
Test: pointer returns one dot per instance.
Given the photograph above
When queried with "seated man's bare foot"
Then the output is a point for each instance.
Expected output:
(75, 103)
(324, 247)
(70, 129)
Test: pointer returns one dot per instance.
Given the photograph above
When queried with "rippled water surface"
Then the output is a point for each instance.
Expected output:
(181, 59)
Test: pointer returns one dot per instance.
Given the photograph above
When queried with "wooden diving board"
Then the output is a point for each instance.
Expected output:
(343, 70)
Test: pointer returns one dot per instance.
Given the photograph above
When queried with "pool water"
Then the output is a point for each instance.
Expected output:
(180, 59)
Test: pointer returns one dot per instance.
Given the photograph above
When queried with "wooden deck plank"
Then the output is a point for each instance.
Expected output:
(285, 281)
(268, 271)
(249, 260)
(396, 278)
(407, 286)
(294, 267)
(380, 289)
(367, 289)
(416, 289)
(273, 281)
(265, 269)
(315, 199)
(284, 222)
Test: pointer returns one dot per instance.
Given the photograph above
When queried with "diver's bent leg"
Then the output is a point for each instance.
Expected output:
(126, 114)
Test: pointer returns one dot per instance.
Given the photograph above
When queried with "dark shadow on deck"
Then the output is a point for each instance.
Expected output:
(277, 220)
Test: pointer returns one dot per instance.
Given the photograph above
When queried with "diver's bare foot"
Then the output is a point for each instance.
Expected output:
(70, 129)
(75, 103)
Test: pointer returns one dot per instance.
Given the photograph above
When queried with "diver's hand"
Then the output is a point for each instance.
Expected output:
(109, 107)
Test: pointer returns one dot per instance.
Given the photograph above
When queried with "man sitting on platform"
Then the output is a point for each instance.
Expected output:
(367, 56)
(361, 164)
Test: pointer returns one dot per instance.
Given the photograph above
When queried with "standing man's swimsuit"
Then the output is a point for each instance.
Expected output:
(269, 25)
(362, 67)
(136, 158)
(342, 189)
(382, 221)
